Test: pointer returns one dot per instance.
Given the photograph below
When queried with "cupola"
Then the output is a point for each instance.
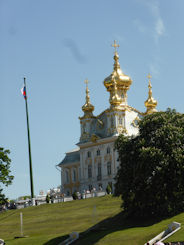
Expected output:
(150, 103)
(117, 83)
(87, 108)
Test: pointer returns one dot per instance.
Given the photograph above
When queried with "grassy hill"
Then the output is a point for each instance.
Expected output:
(51, 223)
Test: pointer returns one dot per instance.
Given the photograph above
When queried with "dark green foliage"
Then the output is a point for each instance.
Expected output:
(5, 177)
(47, 198)
(151, 174)
(75, 196)
(108, 189)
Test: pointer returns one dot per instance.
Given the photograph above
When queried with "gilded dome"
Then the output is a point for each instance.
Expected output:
(150, 103)
(123, 81)
(87, 107)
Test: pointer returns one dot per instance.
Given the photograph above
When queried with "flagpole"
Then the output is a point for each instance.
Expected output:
(29, 146)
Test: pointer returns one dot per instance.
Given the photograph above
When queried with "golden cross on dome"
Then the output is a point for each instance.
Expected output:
(115, 45)
(86, 82)
(149, 76)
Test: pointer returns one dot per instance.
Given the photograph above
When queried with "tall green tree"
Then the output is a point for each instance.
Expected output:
(5, 177)
(151, 174)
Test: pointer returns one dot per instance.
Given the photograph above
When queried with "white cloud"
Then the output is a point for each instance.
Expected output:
(159, 27)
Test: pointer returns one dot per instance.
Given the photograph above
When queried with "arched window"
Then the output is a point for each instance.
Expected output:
(98, 152)
(90, 171)
(99, 175)
(108, 150)
(109, 171)
(74, 175)
(84, 128)
(112, 122)
(89, 154)
(66, 176)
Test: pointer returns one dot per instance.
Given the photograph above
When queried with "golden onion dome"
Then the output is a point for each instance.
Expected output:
(123, 81)
(87, 107)
(150, 103)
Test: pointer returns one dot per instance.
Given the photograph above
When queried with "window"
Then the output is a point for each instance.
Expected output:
(89, 171)
(108, 150)
(120, 120)
(112, 122)
(74, 175)
(67, 176)
(99, 176)
(98, 152)
(109, 168)
(89, 154)
(84, 128)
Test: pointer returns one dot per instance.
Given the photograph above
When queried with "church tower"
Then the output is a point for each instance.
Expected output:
(87, 119)
(93, 165)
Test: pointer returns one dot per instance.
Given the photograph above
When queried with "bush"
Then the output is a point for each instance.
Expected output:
(47, 199)
(108, 189)
(75, 196)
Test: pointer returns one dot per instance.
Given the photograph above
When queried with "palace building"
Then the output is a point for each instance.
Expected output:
(94, 163)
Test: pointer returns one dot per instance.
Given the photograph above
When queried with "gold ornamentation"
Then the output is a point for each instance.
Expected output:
(94, 138)
(87, 108)
(100, 124)
(115, 45)
(135, 122)
(122, 130)
(117, 83)
(150, 103)
(84, 136)
(98, 143)
(130, 108)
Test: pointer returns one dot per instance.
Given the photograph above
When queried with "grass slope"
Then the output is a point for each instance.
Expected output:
(51, 223)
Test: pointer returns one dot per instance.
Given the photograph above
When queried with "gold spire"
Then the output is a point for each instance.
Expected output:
(150, 103)
(87, 108)
(117, 83)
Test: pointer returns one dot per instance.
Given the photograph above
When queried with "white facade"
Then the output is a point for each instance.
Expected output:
(98, 165)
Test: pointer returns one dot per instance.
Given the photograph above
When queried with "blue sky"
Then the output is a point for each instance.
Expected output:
(56, 45)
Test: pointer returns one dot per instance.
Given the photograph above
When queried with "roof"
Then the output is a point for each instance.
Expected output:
(71, 157)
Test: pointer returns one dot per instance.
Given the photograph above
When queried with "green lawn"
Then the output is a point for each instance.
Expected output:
(51, 223)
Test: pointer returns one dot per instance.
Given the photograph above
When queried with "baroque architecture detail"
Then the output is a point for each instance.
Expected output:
(94, 163)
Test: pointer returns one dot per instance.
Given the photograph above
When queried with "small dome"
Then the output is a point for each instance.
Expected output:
(87, 108)
(150, 103)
